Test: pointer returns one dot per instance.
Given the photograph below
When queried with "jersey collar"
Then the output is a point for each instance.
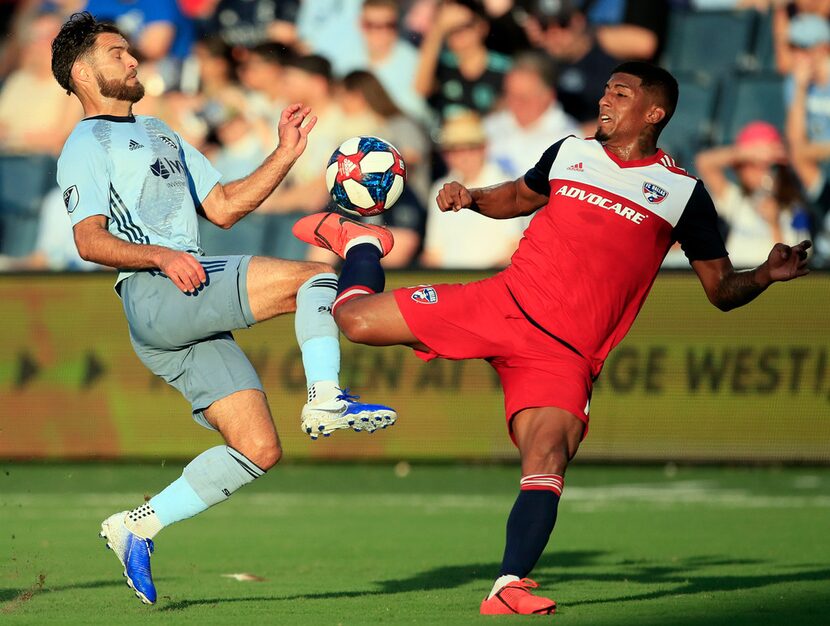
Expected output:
(114, 118)
(654, 158)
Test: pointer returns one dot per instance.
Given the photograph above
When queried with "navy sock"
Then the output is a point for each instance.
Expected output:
(528, 529)
(361, 272)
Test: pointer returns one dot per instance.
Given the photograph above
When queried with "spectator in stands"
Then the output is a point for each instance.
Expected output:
(531, 120)
(810, 54)
(55, 247)
(363, 94)
(239, 151)
(628, 29)
(248, 23)
(307, 79)
(383, 52)
(328, 27)
(764, 207)
(36, 117)
(783, 13)
(21, 15)
(261, 72)
(362, 97)
(504, 18)
(216, 68)
(583, 66)
(218, 88)
(466, 239)
(157, 29)
(465, 76)
(810, 156)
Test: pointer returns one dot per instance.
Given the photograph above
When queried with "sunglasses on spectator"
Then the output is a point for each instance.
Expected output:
(367, 25)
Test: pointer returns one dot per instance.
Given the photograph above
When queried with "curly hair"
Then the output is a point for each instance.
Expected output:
(75, 39)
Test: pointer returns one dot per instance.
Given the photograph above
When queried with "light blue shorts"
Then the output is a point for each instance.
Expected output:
(185, 339)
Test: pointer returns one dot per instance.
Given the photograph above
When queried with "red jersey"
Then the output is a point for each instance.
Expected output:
(589, 257)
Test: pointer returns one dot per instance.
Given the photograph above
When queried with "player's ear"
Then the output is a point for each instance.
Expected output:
(81, 73)
(655, 114)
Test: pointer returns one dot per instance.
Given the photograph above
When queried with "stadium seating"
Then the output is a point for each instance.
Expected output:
(748, 97)
(24, 182)
(710, 43)
(691, 126)
(763, 48)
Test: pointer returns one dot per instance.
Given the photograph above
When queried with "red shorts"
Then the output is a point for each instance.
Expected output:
(480, 320)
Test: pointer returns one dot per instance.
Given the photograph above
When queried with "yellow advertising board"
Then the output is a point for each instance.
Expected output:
(688, 383)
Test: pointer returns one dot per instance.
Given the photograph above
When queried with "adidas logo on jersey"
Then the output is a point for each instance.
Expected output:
(576, 167)
(134, 145)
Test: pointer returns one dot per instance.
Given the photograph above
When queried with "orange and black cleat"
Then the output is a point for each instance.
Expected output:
(515, 598)
(333, 231)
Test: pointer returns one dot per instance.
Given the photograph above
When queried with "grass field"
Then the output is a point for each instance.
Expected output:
(354, 544)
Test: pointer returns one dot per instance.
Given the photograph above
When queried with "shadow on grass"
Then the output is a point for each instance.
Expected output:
(574, 567)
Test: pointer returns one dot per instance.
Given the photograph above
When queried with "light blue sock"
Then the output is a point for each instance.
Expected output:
(318, 335)
(208, 479)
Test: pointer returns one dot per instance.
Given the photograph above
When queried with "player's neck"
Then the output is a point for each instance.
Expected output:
(642, 147)
(115, 108)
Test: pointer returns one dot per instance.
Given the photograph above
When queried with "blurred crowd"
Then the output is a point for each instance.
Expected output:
(467, 90)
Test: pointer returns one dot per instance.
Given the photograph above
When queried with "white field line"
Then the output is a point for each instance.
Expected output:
(698, 493)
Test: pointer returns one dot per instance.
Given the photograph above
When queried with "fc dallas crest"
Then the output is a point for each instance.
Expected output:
(654, 193)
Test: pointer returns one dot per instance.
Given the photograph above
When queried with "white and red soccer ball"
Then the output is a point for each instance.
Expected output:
(365, 175)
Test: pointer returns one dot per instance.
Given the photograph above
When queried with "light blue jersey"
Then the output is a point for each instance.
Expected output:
(141, 175)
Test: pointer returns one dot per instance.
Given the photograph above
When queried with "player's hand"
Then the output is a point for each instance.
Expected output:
(183, 269)
(454, 197)
(292, 131)
(787, 262)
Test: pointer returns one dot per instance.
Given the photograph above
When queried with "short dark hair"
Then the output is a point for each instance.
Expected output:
(311, 64)
(76, 38)
(657, 80)
(271, 52)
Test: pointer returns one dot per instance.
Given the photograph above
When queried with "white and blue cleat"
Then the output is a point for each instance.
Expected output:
(345, 412)
(134, 553)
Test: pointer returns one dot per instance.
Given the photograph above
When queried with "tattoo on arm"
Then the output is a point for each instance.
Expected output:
(737, 289)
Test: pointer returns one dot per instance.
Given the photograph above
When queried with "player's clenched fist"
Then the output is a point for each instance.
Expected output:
(183, 269)
(454, 197)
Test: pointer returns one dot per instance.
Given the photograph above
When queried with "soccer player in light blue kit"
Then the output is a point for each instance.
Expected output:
(133, 189)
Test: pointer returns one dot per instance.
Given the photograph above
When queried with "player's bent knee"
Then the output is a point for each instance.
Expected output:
(352, 323)
(545, 461)
(266, 453)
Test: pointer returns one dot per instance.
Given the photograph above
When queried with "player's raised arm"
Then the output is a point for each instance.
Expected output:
(514, 198)
(502, 201)
(728, 289)
(227, 204)
(95, 243)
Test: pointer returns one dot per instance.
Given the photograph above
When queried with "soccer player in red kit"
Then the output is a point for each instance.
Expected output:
(607, 210)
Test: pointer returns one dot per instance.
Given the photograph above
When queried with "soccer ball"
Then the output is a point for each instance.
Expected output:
(365, 175)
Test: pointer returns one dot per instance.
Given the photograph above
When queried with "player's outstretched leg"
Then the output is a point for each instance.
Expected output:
(547, 438)
(329, 407)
